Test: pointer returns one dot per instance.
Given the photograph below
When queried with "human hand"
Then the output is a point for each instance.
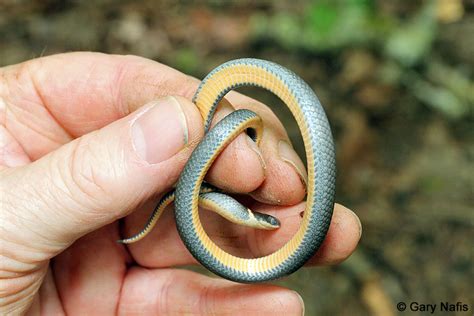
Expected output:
(87, 139)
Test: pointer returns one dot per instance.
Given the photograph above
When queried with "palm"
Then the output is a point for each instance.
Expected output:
(99, 273)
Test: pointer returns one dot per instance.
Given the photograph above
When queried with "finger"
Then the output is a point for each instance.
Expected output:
(341, 241)
(178, 292)
(285, 177)
(97, 178)
(284, 172)
(57, 98)
(163, 247)
(89, 274)
(235, 160)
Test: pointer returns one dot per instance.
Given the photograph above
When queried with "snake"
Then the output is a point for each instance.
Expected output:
(191, 191)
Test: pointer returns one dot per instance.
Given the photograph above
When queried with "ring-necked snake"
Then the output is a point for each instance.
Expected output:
(191, 191)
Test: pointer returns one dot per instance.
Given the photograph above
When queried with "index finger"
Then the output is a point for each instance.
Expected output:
(57, 98)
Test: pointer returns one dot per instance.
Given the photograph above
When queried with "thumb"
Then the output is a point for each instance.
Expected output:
(97, 178)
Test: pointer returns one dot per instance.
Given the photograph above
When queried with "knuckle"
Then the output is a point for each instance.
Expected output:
(189, 86)
(84, 182)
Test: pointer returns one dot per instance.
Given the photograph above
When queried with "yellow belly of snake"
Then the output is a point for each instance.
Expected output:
(190, 190)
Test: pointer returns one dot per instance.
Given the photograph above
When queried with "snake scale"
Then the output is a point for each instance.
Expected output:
(191, 191)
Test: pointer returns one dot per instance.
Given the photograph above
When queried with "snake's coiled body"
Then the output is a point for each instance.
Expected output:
(191, 191)
(319, 148)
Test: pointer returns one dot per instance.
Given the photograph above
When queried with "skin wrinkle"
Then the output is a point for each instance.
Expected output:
(183, 85)
(68, 174)
(40, 301)
(12, 271)
(264, 195)
(205, 299)
(163, 304)
(62, 186)
(6, 274)
(116, 89)
(61, 297)
(140, 76)
(23, 69)
(39, 94)
(122, 282)
(122, 279)
(19, 284)
(189, 89)
(35, 307)
(37, 89)
(16, 265)
(187, 85)
(16, 118)
(45, 242)
(253, 243)
(8, 204)
(75, 275)
(35, 294)
(9, 149)
(24, 294)
(55, 286)
(89, 74)
(83, 178)
(92, 191)
(238, 149)
(59, 201)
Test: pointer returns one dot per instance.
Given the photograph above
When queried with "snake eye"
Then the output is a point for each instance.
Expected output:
(273, 221)
(269, 221)
(252, 133)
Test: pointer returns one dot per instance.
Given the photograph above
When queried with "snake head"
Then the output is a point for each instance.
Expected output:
(266, 221)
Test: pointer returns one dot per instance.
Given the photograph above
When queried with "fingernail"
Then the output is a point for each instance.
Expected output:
(256, 150)
(301, 301)
(160, 131)
(358, 222)
(289, 155)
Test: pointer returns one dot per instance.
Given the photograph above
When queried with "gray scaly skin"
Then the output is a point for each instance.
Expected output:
(321, 142)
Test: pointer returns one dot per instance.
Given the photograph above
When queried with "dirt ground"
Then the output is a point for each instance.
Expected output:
(396, 79)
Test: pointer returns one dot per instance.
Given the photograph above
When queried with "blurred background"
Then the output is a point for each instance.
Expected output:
(396, 79)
